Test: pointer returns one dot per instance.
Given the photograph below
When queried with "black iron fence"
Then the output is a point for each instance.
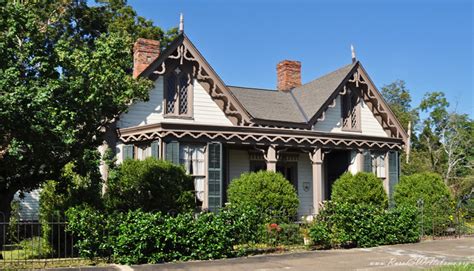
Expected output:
(35, 244)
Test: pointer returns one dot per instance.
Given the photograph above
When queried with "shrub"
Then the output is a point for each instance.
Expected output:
(150, 185)
(320, 234)
(360, 188)
(363, 225)
(437, 202)
(268, 192)
(144, 237)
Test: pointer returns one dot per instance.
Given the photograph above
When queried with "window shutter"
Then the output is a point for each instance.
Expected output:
(214, 176)
(155, 149)
(393, 173)
(367, 161)
(172, 152)
(128, 152)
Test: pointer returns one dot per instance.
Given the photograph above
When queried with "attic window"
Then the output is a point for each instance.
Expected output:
(178, 91)
(350, 111)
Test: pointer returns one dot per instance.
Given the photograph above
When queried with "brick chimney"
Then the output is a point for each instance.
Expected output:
(288, 75)
(145, 51)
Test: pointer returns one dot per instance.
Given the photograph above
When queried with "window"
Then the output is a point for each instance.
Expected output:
(141, 151)
(128, 152)
(192, 158)
(350, 111)
(178, 93)
(375, 162)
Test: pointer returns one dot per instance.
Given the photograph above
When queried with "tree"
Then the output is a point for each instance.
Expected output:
(65, 74)
(399, 99)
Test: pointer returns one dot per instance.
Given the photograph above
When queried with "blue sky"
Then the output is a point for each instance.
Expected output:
(429, 44)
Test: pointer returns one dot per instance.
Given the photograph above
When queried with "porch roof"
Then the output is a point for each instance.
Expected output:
(257, 136)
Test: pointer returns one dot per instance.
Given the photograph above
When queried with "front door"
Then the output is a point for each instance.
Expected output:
(289, 171)
(336, 162)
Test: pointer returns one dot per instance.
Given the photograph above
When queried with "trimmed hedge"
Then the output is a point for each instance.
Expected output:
(437, 201)
(363, 225)
(269, 192)
(362, 188)
(143, 237)
(150, 185)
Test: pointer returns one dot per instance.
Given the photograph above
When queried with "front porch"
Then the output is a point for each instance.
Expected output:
(310, 160)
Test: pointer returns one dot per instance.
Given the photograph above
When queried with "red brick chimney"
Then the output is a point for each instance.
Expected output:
(288, 75)
(145, 51)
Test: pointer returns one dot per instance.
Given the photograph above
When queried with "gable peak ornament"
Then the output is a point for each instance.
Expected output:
(181, 23)
(353, 54)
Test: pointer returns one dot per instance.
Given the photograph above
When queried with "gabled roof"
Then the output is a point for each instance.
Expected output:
(300, 107)
(266, 104)
(311, 96)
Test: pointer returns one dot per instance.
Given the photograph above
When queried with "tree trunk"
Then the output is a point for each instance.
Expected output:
(6, 198)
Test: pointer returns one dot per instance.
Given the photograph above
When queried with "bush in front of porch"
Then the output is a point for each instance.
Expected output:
(269, 192)
(362, 187)
(150, 185)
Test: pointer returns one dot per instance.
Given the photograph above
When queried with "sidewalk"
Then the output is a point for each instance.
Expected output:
(424, 255)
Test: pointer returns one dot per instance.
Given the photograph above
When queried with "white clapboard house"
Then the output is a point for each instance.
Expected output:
(311, 132)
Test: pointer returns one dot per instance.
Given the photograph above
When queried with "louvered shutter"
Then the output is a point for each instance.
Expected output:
(393, 173)
(367, 161)
(155, 149)
(214, 176)
(128, 152)
(172, 152)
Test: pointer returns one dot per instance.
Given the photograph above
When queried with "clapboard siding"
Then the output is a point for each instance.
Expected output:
(305, 175)
(332, 121)
(238, 163)
(205, 110)
(29, 205)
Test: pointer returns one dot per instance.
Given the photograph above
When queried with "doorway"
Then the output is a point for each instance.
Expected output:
(336, 163)
(289, 171)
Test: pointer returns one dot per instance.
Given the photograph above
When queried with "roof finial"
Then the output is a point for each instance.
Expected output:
(353, 54)
(181, 23)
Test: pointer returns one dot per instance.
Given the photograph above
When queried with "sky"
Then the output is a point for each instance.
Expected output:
(428, 44)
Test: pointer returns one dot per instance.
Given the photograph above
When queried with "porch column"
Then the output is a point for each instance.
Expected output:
(318, 180)
(271, 158)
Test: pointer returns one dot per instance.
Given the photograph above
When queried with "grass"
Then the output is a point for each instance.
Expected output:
(455, 267)
(47, 263)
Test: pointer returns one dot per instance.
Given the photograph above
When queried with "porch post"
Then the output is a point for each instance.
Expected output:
(318, 180)
(271, 158)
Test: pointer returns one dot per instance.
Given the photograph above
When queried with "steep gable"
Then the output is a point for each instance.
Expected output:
(182, 51)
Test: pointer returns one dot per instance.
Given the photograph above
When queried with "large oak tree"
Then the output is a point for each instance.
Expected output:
(65, 72)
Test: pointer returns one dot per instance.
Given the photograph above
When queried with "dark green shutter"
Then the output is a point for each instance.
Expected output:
(214, 176)
(172, 152)
(155, 149)
(367, 161)
(128, 152)
(393, 173)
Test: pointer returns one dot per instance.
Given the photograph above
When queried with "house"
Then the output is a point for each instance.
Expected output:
(311, 133)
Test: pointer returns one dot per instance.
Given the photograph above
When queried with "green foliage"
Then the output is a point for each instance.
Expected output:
(437, 203)
(65, 73)
(150, 185)
(320, 234)
(399, 99)
(268, 192)
(363, 225)
(92, 230)
(35, 248)
(360, 188)
(144, 237)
